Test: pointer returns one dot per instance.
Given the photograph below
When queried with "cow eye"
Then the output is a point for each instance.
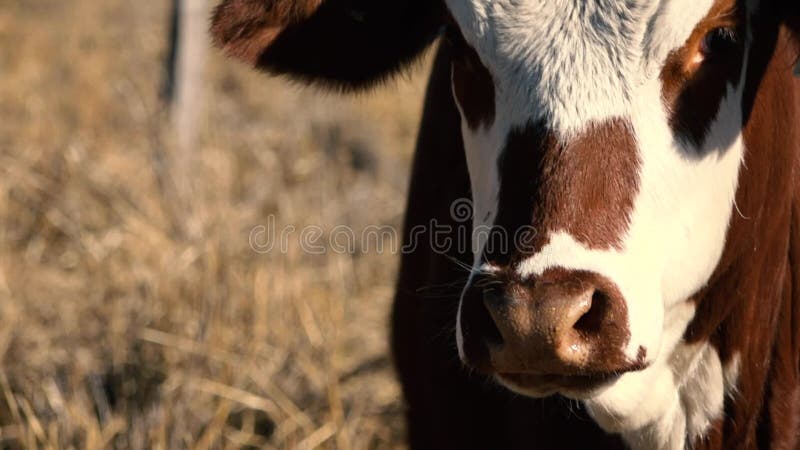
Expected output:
(718, 42)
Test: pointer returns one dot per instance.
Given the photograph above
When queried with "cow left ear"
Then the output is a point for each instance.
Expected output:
(346, 44)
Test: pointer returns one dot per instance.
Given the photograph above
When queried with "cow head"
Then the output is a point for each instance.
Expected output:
(615, 133)
(613, 128)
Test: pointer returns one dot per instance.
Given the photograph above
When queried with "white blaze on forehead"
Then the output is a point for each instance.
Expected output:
(571, 62)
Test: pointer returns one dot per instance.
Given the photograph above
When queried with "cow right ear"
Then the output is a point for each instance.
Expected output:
(341, 43)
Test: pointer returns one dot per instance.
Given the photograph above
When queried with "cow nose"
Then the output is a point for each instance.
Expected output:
(571, 324)
(558, 325)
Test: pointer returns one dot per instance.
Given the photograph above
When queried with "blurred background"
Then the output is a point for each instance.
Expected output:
(134, 313)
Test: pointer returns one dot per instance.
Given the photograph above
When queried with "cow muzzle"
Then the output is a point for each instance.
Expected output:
(565, 331)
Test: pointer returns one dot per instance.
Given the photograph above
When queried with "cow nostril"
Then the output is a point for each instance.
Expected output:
(591, 322)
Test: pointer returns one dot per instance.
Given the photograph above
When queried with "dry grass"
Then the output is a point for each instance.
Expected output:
(120, 328)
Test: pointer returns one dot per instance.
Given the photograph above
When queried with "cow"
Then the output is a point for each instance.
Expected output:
(651, 148)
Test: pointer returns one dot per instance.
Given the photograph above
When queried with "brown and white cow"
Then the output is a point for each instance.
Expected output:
(655, 147)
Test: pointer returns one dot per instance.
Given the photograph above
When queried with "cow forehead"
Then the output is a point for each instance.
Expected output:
(572, 62)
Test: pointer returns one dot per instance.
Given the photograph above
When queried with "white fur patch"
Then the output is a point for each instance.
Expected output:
(571, 62)
(689, 393)
(544, 54)
(681, 401)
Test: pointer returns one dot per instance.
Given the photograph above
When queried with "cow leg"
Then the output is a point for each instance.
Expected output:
(447, 407)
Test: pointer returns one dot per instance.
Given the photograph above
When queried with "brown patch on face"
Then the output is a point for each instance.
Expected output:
(244, 28)
(695, 77)
(473, 85)
(584, 186)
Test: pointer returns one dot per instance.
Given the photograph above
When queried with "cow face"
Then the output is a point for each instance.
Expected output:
(614, 129)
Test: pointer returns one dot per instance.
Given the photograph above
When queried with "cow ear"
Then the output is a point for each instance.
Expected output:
(341, 43)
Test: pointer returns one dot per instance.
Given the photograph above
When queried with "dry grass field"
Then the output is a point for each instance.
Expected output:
(132, 318)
